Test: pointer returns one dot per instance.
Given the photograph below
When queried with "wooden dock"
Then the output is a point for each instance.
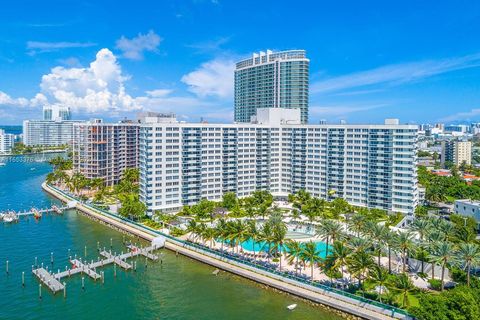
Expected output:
(48, 279)
(116, 259)
(88, 269)
(35, 211)
(143, 252)
(52, 280)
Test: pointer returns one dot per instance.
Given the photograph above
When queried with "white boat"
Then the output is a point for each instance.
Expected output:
(215, 272)
(10, 217)
(292, 306)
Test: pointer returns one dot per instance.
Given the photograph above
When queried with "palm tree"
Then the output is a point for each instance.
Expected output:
(295, 215)
(359, 244)
(404, 285)
(468, 255)
(340, 255)
(192, 227)
(356, 223)
(359, 265)
(443, 254)
(279, 233)
(421, 226)
(97, 183)
(448, 229)
(379, 276)
(330, 230)
(209, 234)
(100, 194)
(266, 237)
(421, 254)
(377, 233)
(252, 233)
(404, 243)
(238, 233)
(311, 254)
(201, 231)
(294, 250)
(389, 240)
(61, 176)
(221, 230)
(51, 178)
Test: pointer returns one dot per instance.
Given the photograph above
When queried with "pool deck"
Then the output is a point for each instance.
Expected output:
(318, 295)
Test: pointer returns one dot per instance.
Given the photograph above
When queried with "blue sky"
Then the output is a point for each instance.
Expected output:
(415, 60)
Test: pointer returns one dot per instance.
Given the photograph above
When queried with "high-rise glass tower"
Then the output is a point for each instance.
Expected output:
(272, 80)
(56, 113)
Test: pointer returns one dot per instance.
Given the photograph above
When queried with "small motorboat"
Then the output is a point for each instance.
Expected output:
(215, 272)
(36, 214)
(292, 306)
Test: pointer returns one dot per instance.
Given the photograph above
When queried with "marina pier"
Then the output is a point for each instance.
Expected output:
(53, 280)
(13, 216)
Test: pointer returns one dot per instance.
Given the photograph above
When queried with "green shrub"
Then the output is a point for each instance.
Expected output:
(435, 284)
(177, 232)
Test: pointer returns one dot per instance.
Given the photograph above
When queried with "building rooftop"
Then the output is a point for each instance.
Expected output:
(270, 56)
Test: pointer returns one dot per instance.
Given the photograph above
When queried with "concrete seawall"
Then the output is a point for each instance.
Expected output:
(317, 295)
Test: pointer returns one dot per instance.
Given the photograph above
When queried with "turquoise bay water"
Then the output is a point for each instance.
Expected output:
(180, 288)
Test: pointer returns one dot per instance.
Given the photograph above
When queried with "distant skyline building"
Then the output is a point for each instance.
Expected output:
(48, 133)
(367, 165)
(56, 113)
(272, 80)
(105, 150)
(7, 141)
(457, 152)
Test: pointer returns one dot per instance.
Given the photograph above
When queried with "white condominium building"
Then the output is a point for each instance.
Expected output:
(47, 133)
(7, 140)
(105, 150)
(367, 165)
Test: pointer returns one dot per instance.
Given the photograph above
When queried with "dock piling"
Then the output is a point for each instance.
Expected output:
(23, 278)
(7, 267)
(53, 280)
(40, 291)
(64, 290)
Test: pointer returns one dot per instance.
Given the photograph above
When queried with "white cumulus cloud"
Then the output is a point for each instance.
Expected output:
(99, 87)
(6, 100)
(212, 78)
(135, 47)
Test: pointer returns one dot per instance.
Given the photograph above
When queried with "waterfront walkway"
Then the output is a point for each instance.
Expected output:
(358, 306)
